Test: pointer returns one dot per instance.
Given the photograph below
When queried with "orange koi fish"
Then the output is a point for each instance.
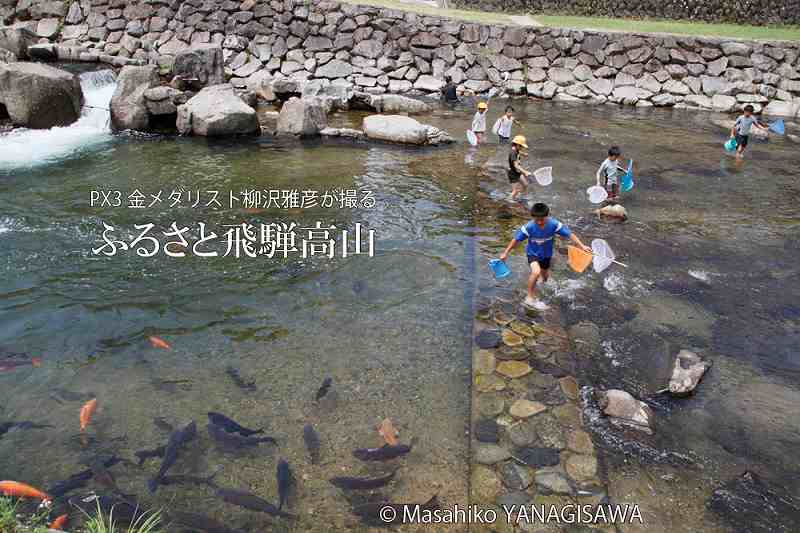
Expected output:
(59, 522)
(21, 490)
(87, 411)
(159, 343)
(388, 432)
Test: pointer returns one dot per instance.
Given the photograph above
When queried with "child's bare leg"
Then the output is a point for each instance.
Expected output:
(532, 279)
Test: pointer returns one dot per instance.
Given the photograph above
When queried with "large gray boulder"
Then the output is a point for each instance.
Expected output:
(17, 39)
(403, 130)
(626, 411)
(395, 128)
(302, 116)
(394, 103)
(217, 111)
(200, 66)
(128, 105)
(686, 374)
(39, 96)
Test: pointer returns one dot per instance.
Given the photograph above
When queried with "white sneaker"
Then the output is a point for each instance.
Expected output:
(535, 304)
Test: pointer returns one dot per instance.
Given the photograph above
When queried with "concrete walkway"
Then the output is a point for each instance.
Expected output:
(524, 20)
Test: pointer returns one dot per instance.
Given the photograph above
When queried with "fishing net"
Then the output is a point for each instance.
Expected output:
(602, 255)
(597, 194)
(544, 176)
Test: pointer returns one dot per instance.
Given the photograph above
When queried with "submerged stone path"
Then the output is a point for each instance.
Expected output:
(527, 440)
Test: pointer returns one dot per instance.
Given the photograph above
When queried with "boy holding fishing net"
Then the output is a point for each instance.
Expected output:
(540, 232)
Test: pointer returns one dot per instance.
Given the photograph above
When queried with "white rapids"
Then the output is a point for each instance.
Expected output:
(27, 147)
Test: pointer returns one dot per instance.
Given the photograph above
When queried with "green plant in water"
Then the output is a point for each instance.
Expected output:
(13, 522)
(147, 522)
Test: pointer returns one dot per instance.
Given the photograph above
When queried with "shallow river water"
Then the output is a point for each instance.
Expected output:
(713, 250)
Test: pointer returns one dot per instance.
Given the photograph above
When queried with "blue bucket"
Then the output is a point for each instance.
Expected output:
(626, 182)
(731, 145)
(499, 269)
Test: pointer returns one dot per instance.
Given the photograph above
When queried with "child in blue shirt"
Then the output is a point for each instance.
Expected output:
(540, 233)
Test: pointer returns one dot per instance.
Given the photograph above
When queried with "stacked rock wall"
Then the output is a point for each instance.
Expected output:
(383, 50)
(759, 12)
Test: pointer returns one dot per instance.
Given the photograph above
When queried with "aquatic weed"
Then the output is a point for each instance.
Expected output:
(147, 522)
(12, 522)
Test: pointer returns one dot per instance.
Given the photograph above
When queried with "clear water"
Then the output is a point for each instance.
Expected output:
(392, 330)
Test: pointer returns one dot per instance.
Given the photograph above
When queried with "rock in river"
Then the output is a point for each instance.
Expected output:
(687, 372)
(217, 111)
(625, 410)
(488, 339)
(489, 454)
(582, 467)
(526, 408)
(302, 116)
(403, 130)
(516, 476)
(484, 362)
(490, 404)
(128, 105)
(394, 103)
(513, 369)
(551, 480)
(39, 96)
(489, 383)
(512, 339)
(538, 457)
(486, 430)
(484, 485)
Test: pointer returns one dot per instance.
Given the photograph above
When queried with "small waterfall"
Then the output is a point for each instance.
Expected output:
(26, 148)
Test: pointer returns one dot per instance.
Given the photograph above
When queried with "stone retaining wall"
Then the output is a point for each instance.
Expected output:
(382, 50)
(759, 12)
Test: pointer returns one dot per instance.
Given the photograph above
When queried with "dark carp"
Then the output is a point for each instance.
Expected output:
(361, 483)
(384, 453)
(323, 390)
(232, 441)
(284, 476)
(176, 441)
(144, 455)
(22, 425)
(231, 426)
(76, 481)
(250, 501)
(186, 479)
(311, 438)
